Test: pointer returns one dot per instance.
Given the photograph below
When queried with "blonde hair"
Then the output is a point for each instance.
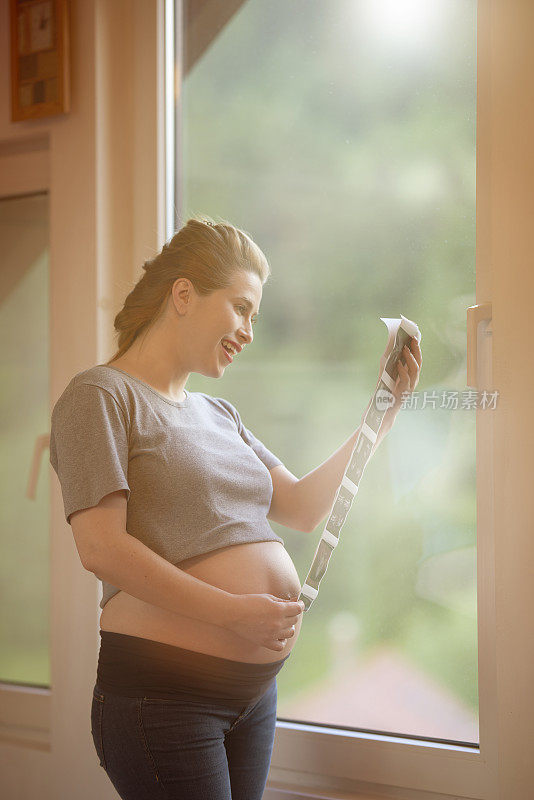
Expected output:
(207, 252)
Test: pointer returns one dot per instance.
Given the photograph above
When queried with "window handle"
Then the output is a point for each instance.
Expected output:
(478, 362)
(41, 443)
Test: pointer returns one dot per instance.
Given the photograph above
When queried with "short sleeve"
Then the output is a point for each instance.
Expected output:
(264, 454)
(88, 446)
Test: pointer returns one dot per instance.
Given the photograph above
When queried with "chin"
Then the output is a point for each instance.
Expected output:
(211, 373)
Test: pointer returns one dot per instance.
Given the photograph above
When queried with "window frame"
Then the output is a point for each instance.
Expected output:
(25, 710)
(103, 226)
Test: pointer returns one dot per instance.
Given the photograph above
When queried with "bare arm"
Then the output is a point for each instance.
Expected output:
(134, 568)
(316, 490)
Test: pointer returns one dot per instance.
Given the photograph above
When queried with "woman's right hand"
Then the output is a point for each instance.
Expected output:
(265, 619)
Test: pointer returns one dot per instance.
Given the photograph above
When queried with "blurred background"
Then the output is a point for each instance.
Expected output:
(341, 137)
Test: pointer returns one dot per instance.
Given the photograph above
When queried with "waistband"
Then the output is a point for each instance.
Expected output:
(135, 667)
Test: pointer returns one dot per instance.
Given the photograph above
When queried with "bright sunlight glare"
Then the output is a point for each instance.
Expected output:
(407, 25)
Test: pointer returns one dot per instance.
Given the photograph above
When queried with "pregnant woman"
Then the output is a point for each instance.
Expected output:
(168, 495)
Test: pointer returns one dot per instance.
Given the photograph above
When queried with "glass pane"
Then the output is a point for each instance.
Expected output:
(24, 411)
(341, 136)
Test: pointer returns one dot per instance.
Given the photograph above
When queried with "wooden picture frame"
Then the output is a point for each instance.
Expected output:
(40, 58)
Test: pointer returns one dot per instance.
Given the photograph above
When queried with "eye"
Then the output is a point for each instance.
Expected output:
(244, 311)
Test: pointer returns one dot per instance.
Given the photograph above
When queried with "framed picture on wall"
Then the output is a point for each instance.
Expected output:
(40, 56)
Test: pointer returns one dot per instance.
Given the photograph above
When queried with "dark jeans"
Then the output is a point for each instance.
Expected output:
(184, 749)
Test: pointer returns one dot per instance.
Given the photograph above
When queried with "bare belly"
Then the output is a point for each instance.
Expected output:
(250, 568)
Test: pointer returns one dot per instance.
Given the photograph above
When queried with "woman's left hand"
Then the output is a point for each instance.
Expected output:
(409, 368)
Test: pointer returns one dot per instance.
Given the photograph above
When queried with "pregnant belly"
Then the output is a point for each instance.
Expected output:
(250, 568)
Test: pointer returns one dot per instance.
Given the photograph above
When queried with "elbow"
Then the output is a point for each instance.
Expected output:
(310, 527)
(89, 566)
(315, 523)
(86, 559)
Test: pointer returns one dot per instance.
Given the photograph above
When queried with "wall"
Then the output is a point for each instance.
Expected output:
(101, 166)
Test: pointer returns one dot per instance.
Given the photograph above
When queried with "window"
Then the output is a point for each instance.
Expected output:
(342, 137)
(24, 650)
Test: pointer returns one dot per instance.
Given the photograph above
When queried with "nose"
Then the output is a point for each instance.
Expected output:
(245, 335)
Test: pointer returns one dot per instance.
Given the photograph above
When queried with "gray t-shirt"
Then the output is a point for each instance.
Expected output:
(195, 478)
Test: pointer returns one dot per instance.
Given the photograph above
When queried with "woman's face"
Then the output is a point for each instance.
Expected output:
(225, 314)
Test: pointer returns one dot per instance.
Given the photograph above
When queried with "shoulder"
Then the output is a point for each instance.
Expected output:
(100, 375)
(96, 386)
(220, 406)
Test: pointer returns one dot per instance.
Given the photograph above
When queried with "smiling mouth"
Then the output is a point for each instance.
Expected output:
(227, 354)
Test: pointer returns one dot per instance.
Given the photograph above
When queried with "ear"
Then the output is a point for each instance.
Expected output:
(182, 294)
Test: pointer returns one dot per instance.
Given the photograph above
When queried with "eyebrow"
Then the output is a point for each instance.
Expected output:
(248, 304)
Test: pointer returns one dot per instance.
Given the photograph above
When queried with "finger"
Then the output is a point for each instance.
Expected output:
(291, 620)
(289, 632)
(294, 608)
(410, 356)
(404, 378)
(414, 345)
(413, 366)
(404, 375)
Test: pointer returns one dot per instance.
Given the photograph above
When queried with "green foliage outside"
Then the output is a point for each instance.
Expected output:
(352, 164)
